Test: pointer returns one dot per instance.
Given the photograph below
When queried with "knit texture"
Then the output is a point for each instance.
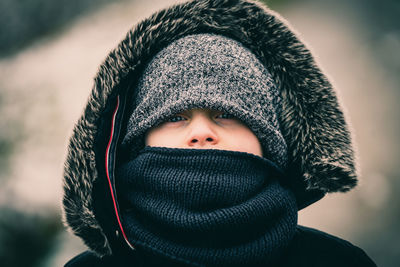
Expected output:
(208, 71)
(206, 207)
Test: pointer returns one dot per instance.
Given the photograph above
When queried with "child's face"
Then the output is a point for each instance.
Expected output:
(204, 129)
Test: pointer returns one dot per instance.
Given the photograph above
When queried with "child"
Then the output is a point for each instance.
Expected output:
(207, 129)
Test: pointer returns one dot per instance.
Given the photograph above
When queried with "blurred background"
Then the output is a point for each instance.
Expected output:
(50, 52)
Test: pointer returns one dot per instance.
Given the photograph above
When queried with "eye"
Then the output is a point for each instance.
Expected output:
(225, 116)
(175, 118)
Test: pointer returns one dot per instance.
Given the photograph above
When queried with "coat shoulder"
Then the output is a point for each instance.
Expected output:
(311, 247)
(89, 259)
(121, 258)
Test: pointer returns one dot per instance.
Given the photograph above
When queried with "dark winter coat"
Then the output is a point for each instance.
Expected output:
(309, 248)
(312, 121)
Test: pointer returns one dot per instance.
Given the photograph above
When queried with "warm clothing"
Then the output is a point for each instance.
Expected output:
(320, 156)
(208, 71)
(214, 207)
(309, 248)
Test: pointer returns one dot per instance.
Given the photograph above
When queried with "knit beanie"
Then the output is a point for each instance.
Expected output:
(208, 71)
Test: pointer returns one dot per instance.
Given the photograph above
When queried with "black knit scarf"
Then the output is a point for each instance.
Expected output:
(206, 207)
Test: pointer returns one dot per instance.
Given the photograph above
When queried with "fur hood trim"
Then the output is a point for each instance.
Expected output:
(321, 156)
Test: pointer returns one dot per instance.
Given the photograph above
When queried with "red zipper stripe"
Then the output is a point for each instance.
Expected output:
(108, 175)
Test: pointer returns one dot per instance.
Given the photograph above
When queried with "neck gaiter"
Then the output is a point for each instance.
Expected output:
(206, 207)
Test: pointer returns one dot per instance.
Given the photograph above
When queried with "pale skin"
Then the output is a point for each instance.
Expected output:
(204, 129)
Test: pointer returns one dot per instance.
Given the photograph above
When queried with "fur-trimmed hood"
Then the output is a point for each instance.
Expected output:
(321, 156)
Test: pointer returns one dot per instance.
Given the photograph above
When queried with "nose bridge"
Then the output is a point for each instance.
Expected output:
(202, 131)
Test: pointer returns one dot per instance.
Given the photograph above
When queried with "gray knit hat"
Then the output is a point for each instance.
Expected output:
(208, 71)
